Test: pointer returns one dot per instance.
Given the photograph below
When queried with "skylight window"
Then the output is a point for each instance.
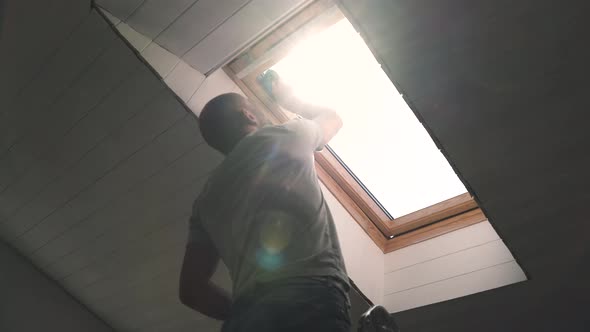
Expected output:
(382, 142)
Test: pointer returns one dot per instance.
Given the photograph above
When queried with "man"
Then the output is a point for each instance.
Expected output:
(263, 214)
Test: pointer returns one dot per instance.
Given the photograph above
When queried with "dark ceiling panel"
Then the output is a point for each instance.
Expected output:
(30, 33)
(81, 49)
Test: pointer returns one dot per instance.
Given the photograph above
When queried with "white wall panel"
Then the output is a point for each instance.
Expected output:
(160, 59)
(364, 260)
(426, 272)
(449, 243)
(458, 263)
(461, 285)
(136, 39)
(112, 18)
(180, 77)
(184, 80)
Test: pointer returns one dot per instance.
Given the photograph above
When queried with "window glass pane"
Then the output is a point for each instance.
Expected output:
(382, 141)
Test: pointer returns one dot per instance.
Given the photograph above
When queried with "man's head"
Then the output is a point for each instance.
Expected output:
(225, 120)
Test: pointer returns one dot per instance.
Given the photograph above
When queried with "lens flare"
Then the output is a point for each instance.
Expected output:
(269, 261)
(275, 236)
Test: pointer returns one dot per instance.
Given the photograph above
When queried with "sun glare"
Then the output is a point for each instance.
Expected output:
(382, 141)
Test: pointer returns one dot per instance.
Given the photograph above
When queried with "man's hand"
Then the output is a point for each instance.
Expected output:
(196, 291)
(328, 120)
(283, 93)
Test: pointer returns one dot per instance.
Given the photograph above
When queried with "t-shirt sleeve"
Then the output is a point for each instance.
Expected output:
(308, 133)
(197, 233)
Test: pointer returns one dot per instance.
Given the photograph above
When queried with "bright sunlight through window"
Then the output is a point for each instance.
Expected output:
(382, 142)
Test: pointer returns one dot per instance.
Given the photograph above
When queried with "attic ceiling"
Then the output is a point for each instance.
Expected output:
(501, 85)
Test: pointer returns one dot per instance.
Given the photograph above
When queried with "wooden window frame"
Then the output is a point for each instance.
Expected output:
(388, 235)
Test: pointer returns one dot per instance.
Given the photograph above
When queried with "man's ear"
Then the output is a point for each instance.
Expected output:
(250, 116)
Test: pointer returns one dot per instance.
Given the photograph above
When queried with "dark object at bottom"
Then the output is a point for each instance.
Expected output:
(377, 319)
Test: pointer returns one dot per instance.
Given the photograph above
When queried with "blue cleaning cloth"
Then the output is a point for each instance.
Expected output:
(266, 80)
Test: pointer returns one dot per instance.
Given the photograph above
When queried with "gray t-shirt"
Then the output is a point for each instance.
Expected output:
(264, 212)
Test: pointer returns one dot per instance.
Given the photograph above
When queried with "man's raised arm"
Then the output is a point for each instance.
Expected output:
(328, 120)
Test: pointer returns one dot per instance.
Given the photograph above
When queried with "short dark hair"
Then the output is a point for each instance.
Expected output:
(220, 121)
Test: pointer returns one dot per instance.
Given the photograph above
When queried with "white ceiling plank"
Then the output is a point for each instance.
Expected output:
(137, 223)
(93, 284)
(118, 146)
(195, 23)
(31, 33)
(118, 108)
(237, 32)
(462, 262)
(155, 15)
(160, 59)
(97, 82)
(154, 193)
(163, 151)
(184, 80)
(82, 77)
(172, 233)
(83, 47)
